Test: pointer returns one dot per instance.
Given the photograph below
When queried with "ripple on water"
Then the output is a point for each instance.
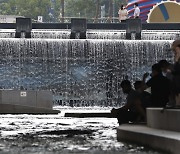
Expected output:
(47, 134)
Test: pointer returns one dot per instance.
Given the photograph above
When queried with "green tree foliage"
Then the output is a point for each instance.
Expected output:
(27, 8)
(89, 9)
(80, 8)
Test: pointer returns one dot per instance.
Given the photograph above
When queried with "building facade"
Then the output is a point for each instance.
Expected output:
(9, 18)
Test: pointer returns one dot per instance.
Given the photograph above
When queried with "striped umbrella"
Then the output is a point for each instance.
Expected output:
(145, 7)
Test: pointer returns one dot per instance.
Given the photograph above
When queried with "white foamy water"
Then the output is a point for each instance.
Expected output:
(54, 134)
(95, 34)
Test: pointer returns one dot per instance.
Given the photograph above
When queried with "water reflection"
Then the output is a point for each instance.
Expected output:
(53, 134)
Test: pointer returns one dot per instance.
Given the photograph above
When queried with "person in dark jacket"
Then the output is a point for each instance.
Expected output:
(160, 87)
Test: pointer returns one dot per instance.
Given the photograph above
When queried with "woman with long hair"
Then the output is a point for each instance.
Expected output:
(123, 14)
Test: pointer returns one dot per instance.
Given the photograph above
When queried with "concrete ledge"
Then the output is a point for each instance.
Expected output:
(84, 115)
(163, 140)
(19, 109)
(26, 102)
(119, 26)
(167, 119)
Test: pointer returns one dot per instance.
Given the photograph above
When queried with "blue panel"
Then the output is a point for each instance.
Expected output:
(164, 11)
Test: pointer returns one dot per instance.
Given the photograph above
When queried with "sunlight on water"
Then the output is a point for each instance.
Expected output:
(53, 134)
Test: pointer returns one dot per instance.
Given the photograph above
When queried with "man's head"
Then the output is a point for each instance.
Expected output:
(139, 86)
(126, 86)
(164, 65)
(135, 4)
(176, 49)
(156, 69)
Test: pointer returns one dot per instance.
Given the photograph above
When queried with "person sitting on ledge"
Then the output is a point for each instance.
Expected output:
(176, 71)
(166, 68)
(145, 96)
(132, 111)
(160, 87)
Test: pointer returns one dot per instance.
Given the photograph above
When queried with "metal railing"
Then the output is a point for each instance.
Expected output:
(92, 20)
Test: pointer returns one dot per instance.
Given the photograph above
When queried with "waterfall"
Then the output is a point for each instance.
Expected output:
(97, 34)
(78, 72)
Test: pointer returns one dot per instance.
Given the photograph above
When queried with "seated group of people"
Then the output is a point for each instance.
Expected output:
(162, 89)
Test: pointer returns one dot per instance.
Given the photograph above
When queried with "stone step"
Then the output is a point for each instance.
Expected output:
(167, 141)
(164, 118)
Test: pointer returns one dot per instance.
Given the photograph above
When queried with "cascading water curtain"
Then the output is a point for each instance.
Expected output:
(78, 72)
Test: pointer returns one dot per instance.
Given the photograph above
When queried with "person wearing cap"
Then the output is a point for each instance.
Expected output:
(176, 71)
